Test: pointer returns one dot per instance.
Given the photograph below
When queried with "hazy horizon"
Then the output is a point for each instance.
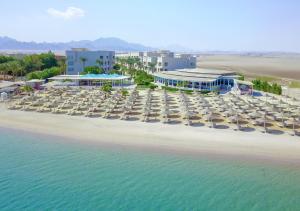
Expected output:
(245, 26)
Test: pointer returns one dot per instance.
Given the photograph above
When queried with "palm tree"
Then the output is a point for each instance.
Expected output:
(4, 70)
(99, 62)
(83, 61)
(130, 62)
(152, 66)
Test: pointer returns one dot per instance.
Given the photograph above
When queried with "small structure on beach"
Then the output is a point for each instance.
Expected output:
(35, 83)
(10, 87)
(244, 87)
(3, 96)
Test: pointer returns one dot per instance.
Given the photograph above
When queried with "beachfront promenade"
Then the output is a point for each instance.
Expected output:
(268, 114)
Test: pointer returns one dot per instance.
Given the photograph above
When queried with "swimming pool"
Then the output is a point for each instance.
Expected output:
(102, 76)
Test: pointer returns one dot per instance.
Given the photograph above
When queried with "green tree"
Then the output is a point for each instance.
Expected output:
(48, 60)
(4, 59)
(32, 63)
(46, 73)
(143, 78)
(62, 65)
(83, 61)
(99, 62)
(117, 67)
(34, 75)
(4, 70)
(130, 62)
(15, 68)
(152, 66)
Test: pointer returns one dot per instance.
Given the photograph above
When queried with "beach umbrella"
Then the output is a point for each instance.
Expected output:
(291, 122)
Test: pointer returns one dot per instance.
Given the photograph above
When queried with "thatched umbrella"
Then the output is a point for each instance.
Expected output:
(291, 122)
(210, 117)
(263, 121)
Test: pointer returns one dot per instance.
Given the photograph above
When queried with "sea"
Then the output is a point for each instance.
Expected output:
(39, 172)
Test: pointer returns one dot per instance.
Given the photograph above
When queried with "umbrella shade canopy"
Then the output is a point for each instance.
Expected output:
(291, 122)
(235, 119)
(211, 117)
(255, 114)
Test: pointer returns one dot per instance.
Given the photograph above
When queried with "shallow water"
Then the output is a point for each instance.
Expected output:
(45, 173)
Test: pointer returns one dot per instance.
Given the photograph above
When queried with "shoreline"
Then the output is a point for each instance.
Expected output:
(178, 139)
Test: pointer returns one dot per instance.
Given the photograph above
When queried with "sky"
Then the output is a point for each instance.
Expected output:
(225, 25)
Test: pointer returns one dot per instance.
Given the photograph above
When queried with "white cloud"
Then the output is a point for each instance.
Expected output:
(69, 13)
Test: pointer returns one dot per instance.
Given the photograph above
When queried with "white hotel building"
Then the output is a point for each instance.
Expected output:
(75, 65)
(163, 60)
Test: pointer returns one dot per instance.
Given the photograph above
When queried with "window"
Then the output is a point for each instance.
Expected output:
(101, 57)
(159, 64)
(166, 64)
(70, 69)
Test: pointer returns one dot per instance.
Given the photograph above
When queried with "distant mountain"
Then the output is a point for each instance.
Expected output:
(114, 44)
(177, 48)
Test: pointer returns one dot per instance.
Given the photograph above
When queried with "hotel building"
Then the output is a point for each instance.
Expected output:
(158, 61)
(78, 58)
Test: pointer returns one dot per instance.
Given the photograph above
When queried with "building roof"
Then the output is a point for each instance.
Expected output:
(249, 83)
(5, 84)
(195, 75)
(35, 81)
(90, 77)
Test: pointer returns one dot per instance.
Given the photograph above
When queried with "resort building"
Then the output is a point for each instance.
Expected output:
(130, 54)
(158, 61)
(202, 80)
(91, 80)
(78, 58)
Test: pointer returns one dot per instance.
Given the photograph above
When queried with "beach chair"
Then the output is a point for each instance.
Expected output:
(238, 127)
(212, 124)
(297, 132)
(280, 124)
(166, 120)
(187, 122)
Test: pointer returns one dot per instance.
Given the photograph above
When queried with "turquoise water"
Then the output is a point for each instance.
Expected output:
(43, 173)
(105, 76)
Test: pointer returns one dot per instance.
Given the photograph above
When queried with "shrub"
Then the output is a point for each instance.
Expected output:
(124, 92)
(106, 88)
(267, 87)
(152, 86)
(143, 78)
(47, 73)
(92, 70)
(26, 88)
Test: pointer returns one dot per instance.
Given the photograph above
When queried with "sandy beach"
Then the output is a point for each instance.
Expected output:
(156, 136)
(284, 67)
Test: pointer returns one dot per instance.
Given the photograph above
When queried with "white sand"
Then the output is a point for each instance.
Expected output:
(157, 136)
(280, 66)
